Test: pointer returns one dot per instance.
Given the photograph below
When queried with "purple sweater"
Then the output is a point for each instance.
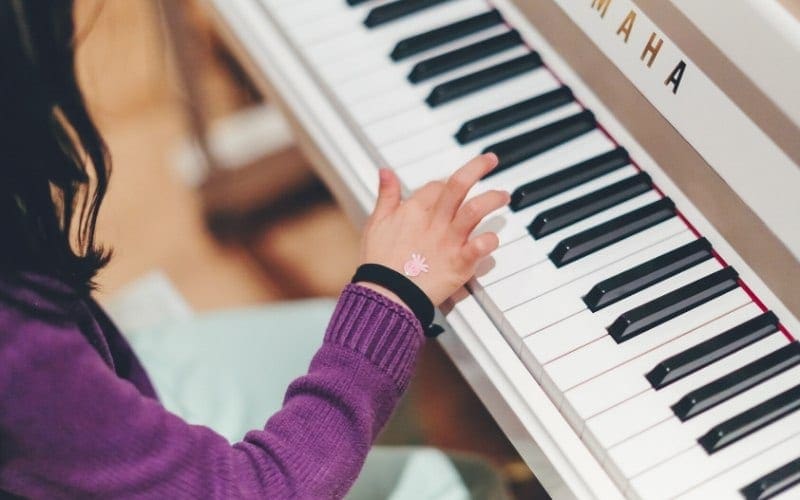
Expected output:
(79, 417)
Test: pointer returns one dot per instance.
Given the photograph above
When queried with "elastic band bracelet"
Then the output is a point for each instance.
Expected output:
(407, 290)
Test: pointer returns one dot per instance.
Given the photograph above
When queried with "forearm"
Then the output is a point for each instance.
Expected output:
(332, 415)
(75, 429)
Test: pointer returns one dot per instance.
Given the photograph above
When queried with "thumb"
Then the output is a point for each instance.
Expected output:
(388, 194)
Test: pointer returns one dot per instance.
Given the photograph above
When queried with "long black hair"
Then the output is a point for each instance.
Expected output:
(54, 165)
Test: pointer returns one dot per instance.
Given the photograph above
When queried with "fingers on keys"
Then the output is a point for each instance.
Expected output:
(446, 200)
(473, 211)
(463, 217)
(389, 196)
(459, 184)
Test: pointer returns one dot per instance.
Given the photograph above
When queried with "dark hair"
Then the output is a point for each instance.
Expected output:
(54, 165)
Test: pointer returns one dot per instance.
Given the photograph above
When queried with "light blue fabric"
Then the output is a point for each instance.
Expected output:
(229, 371)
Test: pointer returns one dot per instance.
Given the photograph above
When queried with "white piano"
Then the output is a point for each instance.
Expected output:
(634, 335)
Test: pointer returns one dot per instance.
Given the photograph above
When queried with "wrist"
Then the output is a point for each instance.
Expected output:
(383, 291)
(406, 292)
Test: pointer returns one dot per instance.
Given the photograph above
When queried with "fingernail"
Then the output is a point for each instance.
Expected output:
(492, 157)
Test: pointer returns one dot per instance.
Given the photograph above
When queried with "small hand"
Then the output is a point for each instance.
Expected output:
(435, 223)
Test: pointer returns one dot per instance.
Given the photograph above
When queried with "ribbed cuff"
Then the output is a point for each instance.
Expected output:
(381, 330)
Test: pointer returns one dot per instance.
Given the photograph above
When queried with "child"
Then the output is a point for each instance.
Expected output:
(79, 415)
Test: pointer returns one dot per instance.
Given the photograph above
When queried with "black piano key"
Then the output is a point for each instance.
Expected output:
(439, 36)
(448, 91)
(736, 382)
(591, 240)
(633, 280)
(568, 178)
(395, 10)
(576, 210)
(777, 481)
(355, 2)
(511, 115)
(664, 308)
(524, 146)
(712, 350)
(456, 58)
(749, 421)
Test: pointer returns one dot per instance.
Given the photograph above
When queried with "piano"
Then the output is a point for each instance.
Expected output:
(635, 335)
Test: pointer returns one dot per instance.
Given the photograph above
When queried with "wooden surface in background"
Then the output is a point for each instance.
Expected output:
(150, 219)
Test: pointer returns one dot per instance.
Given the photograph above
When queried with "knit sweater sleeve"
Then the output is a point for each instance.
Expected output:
(69, 427)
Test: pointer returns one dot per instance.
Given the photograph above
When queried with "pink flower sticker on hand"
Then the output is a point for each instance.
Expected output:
(415, 266)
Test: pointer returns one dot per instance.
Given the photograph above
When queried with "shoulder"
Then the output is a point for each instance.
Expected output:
(32, 307)
(38, 315)
(37, 296)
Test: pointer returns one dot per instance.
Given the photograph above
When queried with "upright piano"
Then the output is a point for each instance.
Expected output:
(635, 333)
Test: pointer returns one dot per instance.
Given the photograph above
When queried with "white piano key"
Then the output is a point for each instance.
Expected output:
(510, 287)
(565, 155)
(693, 467)
(319, 30)
(282, 3)
(572, 332)
(671, 437)
(726, 485)
(544, 279)
(380, 89)
(303, 12)
(509, 259)
(422, 117)
(534, 169)
(393, 100)
(319, 21)
(599, 356)
(386, 37)
(437, 166)
(627, 419)
(515, 224)
(529, 317)
(372, 60)
(612, 384)
(418, 146)
(272, 4)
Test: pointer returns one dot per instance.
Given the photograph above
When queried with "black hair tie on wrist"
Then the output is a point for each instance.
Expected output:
(407, 290)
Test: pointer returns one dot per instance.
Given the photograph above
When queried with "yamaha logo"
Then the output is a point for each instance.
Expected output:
(625, 26)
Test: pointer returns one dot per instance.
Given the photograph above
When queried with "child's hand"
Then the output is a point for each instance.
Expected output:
(434, 223)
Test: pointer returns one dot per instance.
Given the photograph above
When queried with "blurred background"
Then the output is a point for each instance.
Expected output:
(252, 226)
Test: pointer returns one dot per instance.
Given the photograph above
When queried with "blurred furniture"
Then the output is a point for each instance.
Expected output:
(245, 164)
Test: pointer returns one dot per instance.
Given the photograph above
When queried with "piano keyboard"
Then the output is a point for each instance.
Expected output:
(680, 381)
